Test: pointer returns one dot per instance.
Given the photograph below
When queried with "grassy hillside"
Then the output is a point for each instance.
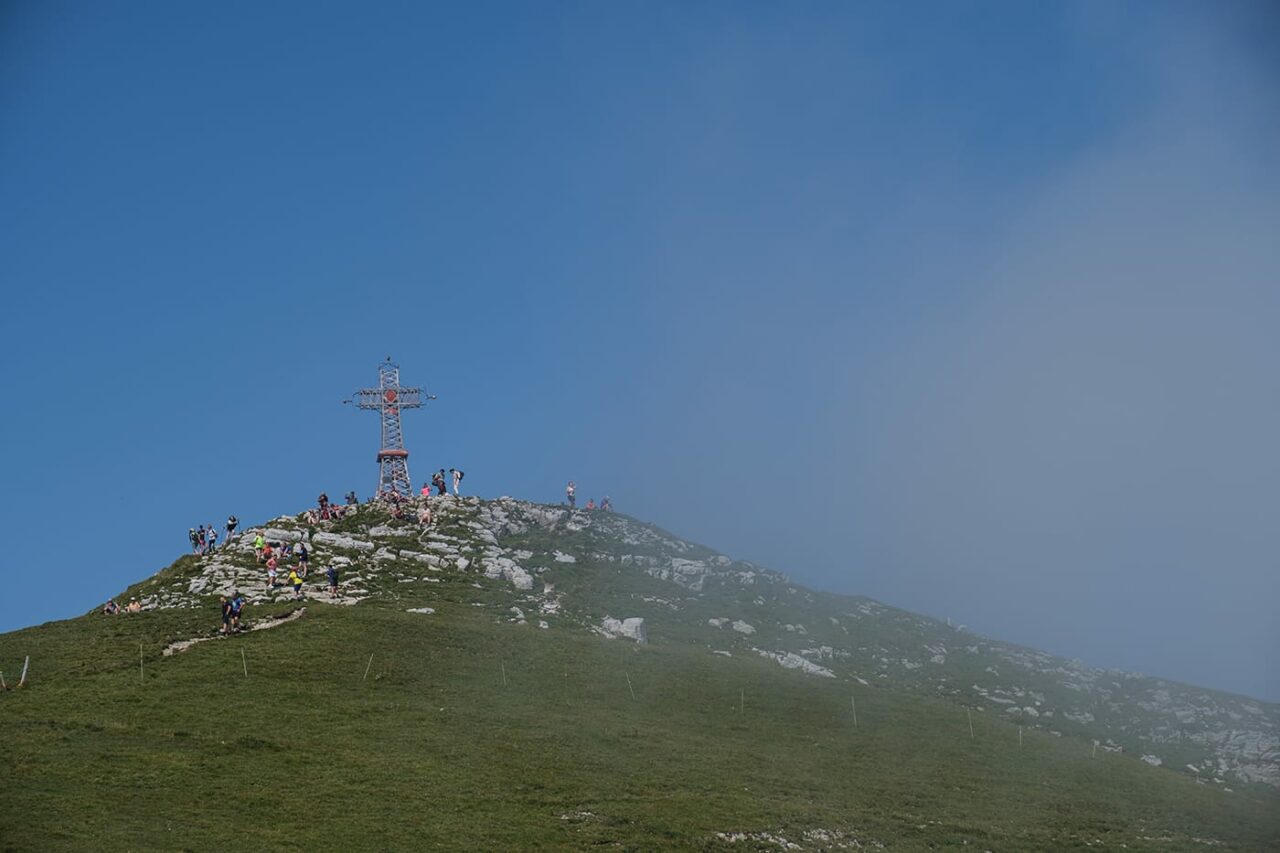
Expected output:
(365, 726)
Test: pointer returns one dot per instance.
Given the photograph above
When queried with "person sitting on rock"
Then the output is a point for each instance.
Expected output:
(134, 606)
(111, 608)
(424, 514)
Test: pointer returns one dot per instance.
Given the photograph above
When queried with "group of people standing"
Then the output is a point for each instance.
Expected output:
(205, 539)
(441, 483)
(571, 492)
(270, 553)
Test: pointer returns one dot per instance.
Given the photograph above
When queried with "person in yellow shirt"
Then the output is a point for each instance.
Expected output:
(297, 583)
(258, 544)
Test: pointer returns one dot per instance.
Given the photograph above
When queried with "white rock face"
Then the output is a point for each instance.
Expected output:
(275, 534)
(336, 540)
(1152, 760)
(717, 623)
(632, 629)
(561, 557)
(742, 627)
(791, 660)
(505, 567)
(421, 610)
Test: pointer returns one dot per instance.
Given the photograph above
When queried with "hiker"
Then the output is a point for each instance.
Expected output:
(237, 604)
(438, 479)
(426, 489)
(226, 614)
(302, 558)
(232, 524)
(195, 540)
(424, 514)
(606, 504)
(457, 479)
(134, 606)
(110, 608)
(212, 534)
(271, 572)
(571, 492)
(332, 574)
(591, 503)
(296, 582)
(352, 500)
(268, 553)
(258, 544)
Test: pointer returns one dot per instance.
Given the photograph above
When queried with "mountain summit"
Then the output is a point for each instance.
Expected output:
(532, 675)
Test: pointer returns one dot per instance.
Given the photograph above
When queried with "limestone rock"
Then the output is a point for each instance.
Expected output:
(632, 628)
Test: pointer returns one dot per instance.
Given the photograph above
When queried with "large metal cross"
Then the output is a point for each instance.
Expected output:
(388, 399)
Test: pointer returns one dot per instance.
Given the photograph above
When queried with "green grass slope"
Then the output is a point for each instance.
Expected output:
(370, 727)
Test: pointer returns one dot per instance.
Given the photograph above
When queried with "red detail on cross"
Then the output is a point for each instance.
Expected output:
(389, 395)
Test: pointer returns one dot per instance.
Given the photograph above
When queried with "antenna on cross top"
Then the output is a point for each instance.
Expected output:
(388, 399)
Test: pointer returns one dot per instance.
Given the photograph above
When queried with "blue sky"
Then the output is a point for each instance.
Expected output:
(969, 307)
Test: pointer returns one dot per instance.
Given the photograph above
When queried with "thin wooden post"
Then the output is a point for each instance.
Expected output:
(141, 678)
(969, 714)
(629, 687)
(1019, 737)
(3, 686)
(22, 682)
(854, 706)
(1095, 750)
(244, 663)
(366, 669)
(504, 672)
(742, 700)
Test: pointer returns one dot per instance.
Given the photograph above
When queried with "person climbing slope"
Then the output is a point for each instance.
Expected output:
(258, 544)
(296, 583)
(302, 558)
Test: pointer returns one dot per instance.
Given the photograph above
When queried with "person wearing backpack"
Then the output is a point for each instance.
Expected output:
(457, 480)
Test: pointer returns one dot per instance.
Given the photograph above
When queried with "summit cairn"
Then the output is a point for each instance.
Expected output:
(388, 399)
